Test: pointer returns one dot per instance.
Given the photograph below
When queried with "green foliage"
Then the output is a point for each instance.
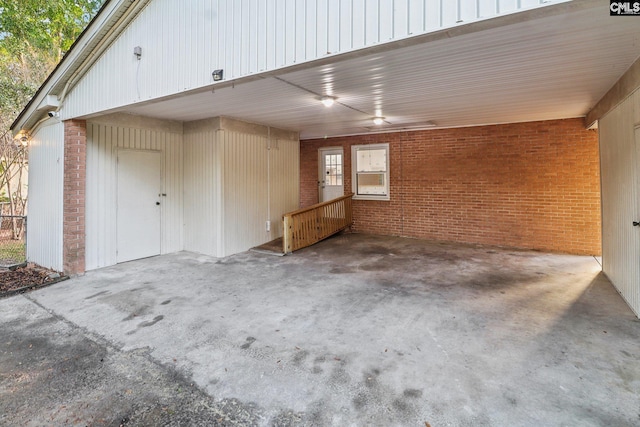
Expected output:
(34, 35)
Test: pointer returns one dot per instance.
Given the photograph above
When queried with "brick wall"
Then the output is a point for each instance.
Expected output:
(525, 185)
(75, 151)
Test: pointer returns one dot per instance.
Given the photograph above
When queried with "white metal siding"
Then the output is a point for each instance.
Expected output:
(103, 140)
(284, 182)
(620, 164)
(183, 42)
(244, 191)
(236, 181)
(201, 192)
(46, 170)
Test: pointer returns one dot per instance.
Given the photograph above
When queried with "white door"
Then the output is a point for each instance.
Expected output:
(138, 205)
(330, 181)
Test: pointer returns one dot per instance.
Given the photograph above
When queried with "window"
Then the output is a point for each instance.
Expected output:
(333, 168)
(370, 166)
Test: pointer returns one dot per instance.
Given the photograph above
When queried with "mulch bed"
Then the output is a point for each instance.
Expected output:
(26, 278)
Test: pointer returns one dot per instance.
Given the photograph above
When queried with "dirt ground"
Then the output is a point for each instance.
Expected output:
(28, 276)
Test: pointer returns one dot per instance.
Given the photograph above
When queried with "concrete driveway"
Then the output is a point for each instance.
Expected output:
(357, 330)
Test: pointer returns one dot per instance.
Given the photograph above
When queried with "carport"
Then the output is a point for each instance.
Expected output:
(356, 330)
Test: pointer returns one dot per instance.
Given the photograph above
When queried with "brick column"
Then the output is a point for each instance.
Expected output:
(75, 178)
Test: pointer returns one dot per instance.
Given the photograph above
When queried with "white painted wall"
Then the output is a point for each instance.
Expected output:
(238, 176)
(284, 181)
(620, 164)
(44, 226)
(104, 136)
(184, 41)
(202, 175)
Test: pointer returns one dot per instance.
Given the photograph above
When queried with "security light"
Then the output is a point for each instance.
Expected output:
(217, 75)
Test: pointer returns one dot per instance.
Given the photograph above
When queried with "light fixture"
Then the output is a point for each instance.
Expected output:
(328, 101)
(23, 138)
(217, 75)
(378, 120)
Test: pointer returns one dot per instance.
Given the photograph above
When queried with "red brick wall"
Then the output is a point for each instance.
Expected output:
(75, 154)
(525, 185)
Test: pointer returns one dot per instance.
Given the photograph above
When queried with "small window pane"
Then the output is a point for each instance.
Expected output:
(372, 160)
(371, 183)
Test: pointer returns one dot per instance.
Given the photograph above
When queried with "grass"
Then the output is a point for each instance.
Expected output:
(12, 252)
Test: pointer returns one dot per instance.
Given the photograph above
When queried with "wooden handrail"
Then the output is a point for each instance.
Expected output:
(307, 226)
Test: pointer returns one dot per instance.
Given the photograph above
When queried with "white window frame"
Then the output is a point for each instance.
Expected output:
(354, 172)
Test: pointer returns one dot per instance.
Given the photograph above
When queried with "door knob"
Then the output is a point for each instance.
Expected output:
(636, 223)
(157, 203)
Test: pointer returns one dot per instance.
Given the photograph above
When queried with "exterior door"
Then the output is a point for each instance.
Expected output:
(331, 179)
(138, 205)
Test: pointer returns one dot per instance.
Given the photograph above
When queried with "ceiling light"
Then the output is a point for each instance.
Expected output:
(378, 120)
(328, 100)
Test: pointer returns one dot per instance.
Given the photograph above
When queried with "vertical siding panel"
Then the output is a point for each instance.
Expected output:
(347, 25)
(44, 226)
(220, 36)
(620, 163)
(245, 192)
(300, 17)
(416, 16)
(487, 7)
(322, 28)
(314, 31)
(270, 41)
(432, 14)
(283, 183)
(400, 19)
(44, 222)
(506, 6)
(103, 142)
(386, 19)
(371, 22)
(200, 192)
(334, 29)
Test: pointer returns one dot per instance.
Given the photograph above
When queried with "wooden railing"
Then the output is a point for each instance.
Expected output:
(307, 226)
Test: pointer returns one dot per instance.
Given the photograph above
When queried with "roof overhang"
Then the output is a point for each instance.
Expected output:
(547, 63)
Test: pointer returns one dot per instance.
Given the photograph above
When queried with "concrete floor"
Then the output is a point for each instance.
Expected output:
(357, 330)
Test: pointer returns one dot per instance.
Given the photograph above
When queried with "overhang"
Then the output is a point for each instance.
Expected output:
(547, 63)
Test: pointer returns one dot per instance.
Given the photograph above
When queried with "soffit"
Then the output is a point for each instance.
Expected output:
(543, 68)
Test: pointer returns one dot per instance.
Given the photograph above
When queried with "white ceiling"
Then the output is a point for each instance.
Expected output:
(540, 68)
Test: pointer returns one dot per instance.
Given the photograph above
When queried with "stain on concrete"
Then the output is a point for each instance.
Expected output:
(360, 400)
(342, 270)
(247, 344)
(299, 357)
(165, 302)
(97, 295)
(467, 322)
(150, 322)
(412, 392)
(76, 380)
(339, 375)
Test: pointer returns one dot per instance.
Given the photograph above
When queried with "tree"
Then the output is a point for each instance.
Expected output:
(34, 36)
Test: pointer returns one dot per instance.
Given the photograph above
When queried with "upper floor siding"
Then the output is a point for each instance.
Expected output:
(182, 42)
